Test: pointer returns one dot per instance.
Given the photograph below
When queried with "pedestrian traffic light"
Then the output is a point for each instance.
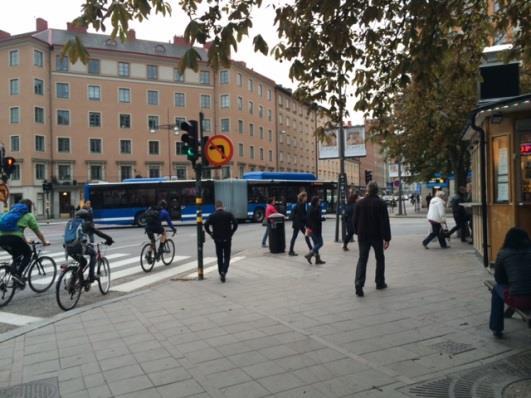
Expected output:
(190, 140)
(8, 165)
(368, 176)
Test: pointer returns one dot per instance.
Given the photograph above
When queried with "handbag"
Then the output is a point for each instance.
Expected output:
(443, 232)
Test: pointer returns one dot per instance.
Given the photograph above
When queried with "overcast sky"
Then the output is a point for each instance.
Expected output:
(20, 17)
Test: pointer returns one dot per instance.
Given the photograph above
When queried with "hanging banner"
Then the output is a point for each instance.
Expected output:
(354, 143)
(328, 148)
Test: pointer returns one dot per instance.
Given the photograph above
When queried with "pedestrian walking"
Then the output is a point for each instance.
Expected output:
(299, 216)
(428, 199)
(437, 217)
(459, 213)
(223, 226)
(270, 209)
(349, 219)
(371, 222)
(314, 230)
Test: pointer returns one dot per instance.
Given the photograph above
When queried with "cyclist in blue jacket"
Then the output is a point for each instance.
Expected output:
(154, 217)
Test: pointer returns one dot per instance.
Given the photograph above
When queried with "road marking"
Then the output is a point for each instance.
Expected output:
(208, 270)
(150, 279)
(135, 270)
(16, 319)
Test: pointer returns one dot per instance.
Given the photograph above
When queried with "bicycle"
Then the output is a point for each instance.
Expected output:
(40, 269)
(71, 281)
(148, 260)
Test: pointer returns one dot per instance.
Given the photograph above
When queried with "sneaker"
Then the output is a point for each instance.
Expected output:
(345, 249)
(425, 246)
(359, 292)
(222, 277)
(264, 245)
(381, 286)
(292, 254)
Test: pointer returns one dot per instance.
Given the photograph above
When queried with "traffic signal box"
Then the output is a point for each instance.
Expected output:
(8, 165)
(190, 140)
(368, 176)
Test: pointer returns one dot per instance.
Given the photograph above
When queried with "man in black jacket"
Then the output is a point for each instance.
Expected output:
(223, 227)
(371, 221)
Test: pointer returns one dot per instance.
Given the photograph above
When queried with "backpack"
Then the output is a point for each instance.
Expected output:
(8, 222)
(152, 216)
(75, 232)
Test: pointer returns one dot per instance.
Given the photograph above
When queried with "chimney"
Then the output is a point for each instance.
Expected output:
(4, 35)
(41, 24)
(180, 41)
(70, 27)
(131, 35)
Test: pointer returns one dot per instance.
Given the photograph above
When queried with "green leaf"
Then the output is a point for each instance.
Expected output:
(260, 45)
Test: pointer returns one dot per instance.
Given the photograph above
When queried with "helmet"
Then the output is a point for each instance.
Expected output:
(83, 214)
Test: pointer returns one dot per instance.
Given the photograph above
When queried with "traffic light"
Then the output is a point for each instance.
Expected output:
(8, 165)
(190, 140)
(368, 176)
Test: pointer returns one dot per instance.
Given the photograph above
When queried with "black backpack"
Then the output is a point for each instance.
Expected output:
(152, 216)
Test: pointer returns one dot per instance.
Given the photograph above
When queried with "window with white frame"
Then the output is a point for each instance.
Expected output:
(179, 121)
(14, 143)
(63, 144)
(153, 122)
(261, 131)
(125, 147)
(38, 86)
(179, 148)
(14, 115)
(153, 147)
(62, 90)
(225, 125)
(14, 87)
(270, 155)
(152, 97)
(239, 79)
(95, 145)
(225, 101)
(126, 171)
(124, 95)
(64, 172)
(15, 175)
(241, 169)
(14, 58)
(224, 77)
(239, 102)
(125, 121)
(207, 125)
(205, 101)
(61, 63)
(269, 94)
(179, 100)
(94, 119)
(39, 143)
(250, 85)
(251, 129)
(123, 69)
(204, 77)
(251, 152)
(154, 171)
(152, 72)
(63, 117)
(179, 77)
(40, 171)
(269, 115)
(94, 93)
(225, 172)
(96, 172)
(240, 149)
(260, 89)
(240, 126)
(180, 172)
(261, 111)
(270, 135)
(251, 107)
(261, 153)
(94, 66)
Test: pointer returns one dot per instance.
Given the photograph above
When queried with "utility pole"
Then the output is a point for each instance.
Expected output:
(399, 187)
(342, 180)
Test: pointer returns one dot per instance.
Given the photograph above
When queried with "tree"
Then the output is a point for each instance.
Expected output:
(402, 56)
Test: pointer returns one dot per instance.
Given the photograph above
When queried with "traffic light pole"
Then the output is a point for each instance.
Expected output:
(199, 202)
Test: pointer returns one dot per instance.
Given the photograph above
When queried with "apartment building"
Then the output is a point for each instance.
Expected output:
(113, 117)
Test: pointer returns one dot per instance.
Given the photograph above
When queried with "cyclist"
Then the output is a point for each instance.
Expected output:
(12, 239)
(82, 243)
(154, 217)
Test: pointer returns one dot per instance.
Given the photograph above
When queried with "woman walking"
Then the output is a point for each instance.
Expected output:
(349, 219)
(314, 229)
(299, 217)
(436, 217)
(270, 209)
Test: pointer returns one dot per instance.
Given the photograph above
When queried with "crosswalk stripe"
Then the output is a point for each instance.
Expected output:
(214, 268)
(150, 279)
(17, 319)
(132, 271)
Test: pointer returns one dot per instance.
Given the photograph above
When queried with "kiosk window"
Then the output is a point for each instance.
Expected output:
(500, 155)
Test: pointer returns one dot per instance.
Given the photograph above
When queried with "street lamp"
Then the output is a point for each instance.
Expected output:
(170, 127)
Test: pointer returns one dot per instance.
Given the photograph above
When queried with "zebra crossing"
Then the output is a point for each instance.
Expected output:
(126, 276)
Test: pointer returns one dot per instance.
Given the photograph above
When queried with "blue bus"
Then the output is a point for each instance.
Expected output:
(124, 203)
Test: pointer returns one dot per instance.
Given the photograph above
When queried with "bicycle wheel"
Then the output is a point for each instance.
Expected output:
(169, 252)
(104, 274)
(42, 273)
(7, 285)
(147, 258)
(68, 288)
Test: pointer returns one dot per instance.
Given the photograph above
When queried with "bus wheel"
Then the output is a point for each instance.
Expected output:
(258, 215)
(140, 220)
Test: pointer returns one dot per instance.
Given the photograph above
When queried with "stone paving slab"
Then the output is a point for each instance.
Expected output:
(278, 327)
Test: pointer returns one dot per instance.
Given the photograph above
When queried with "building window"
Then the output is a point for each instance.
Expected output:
(123, 69)
(62, 90)
(225, 172)
(205, 101)
(96, 172)
(94, 119)
(180, 172)
(179, 148)
(15, 143)
(153, 97)
(63, 118)
(125, 147)
(39, 115)
(270, 156)
(251, 129)
(204, 77)
(224, 77)
(14, 115)
(124, 95)
(179, 99)
(207, 126)
(179, 121)
(251, 107)
(261, 153)
(14, 87)
(40, 171)
(207, 174)
(126, 172)
(225, 125)
(38, 58)
(251, 152)
(261, 131)
(125, 121)
(179, 77)
(239, 79)
(39, 143)
(152, 72)
(63, 144)
(240, 103)
(260, 89)
(154, 171)
(38, 87)
(250, 84)
(61, 63)
(501, 157)
(260, 111)
(269, 115)
(225, 101)
(64, 172)
(240, 149)
(241, 168)
(14, 59)
(270, 135)
(240, 126)
(94, 93)
(94, 66)
(269, 95)
(153, 147)
(153, 122)
(95, 145)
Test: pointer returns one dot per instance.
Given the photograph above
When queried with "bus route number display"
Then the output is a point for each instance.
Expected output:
(219, 150)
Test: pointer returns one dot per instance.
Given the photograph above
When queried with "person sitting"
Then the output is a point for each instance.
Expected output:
(513, 278)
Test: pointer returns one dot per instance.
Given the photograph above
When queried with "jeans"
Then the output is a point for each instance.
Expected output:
(80, 258)
(435, 233)
(266, 234)
(496, 308)
(19, 250)
(296, 231)
(361, 269)
(317, 239)
(348, 236)
(461, 225)
(223, 253)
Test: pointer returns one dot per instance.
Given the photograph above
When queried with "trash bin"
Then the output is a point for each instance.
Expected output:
(277, 234)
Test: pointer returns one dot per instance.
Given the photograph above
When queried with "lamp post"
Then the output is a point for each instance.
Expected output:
(170, 127)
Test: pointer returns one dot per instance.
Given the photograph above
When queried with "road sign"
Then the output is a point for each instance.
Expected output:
(219, 150)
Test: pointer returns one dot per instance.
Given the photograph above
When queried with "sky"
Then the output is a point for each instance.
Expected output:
(20, 17)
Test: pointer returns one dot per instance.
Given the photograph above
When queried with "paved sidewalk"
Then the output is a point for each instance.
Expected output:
(280, 327)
